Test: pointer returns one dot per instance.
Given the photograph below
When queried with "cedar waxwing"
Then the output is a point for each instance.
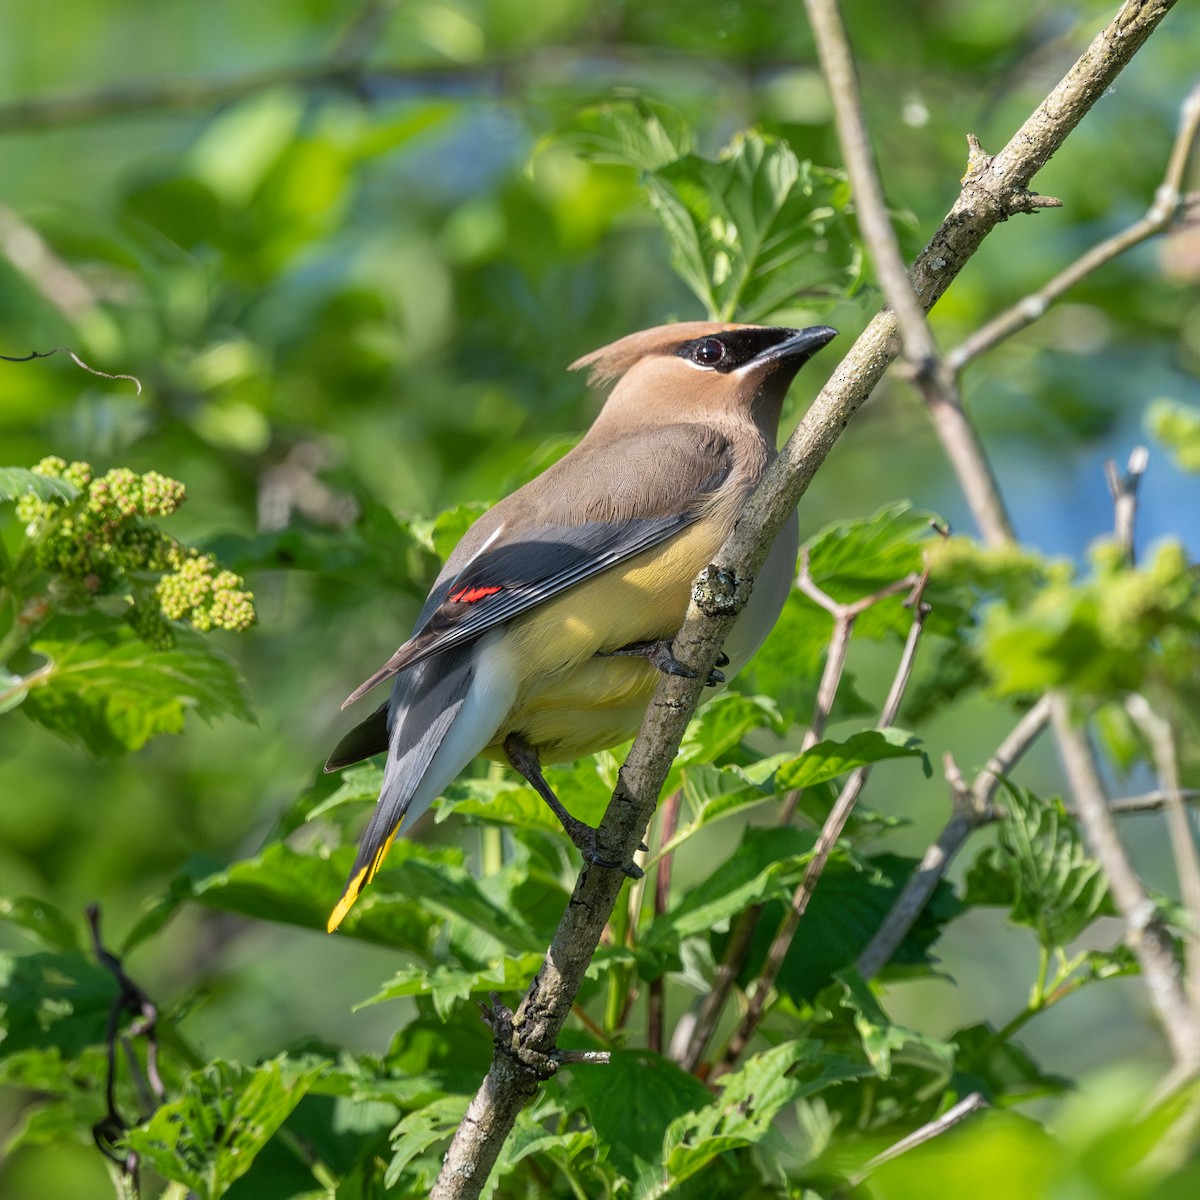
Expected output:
(544, 634)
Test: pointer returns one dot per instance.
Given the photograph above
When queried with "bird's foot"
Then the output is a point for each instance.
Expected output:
(524, 760)
(659, 653)
(587, 841)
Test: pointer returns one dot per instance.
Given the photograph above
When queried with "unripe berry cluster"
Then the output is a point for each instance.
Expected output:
(100, 543)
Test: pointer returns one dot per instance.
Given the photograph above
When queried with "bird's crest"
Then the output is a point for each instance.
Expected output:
(612, 361)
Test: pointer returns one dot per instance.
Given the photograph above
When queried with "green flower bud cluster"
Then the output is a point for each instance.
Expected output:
(100, 544)
(200, 592)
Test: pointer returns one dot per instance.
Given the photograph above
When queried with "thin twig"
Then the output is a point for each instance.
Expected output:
(935, 1128)
(1169, 202)
(1161, 736)
(741, 935)
(874, 221)
(1123, 487)
(111, 1128)
(1144, 931)
(1151, 802)
(971, 808)
(831, 831)
(12, 358)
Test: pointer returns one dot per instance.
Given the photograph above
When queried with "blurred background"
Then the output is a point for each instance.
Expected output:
(349, 259)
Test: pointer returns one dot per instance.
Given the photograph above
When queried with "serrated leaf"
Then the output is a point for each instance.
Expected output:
(53, 1000)
(639, 134)
(225, 1115)
(999, 1068)
(882, 1039)
(446, 985)
(829, 759)
(360, 784)
(850, 902)
(1177, 427)
(741, 1115)
(1041, 870)
(403, 907)
(721, 725)
(422, 1129)
(768, 863)
(757, 229)
(16, 482)
(631, 1101)
(113, 695)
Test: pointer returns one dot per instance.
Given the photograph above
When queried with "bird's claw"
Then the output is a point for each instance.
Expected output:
(659, 653)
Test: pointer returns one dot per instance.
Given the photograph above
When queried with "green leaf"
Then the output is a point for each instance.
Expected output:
(768, 863)
(756, 230)
(850, 902)
(403, 907)
(1041, 870)
(632, 1100)
(446, 985)
(417, 1132)
(53, 928)
(1177, 426)
(16, 482)
(829, 759)
(113, 695)
(882, 1040)
(226, 1114)
(53, 1000)
(640, 133)
(1000, 1069)
(741, 1115)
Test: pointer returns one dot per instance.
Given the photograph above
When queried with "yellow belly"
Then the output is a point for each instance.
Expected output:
(573, 703)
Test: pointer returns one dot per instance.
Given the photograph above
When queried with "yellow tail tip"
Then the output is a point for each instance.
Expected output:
(346, 903)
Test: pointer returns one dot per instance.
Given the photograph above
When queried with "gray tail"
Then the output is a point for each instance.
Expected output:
(424, 703)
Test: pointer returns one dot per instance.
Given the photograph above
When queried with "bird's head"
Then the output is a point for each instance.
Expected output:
(703, 370)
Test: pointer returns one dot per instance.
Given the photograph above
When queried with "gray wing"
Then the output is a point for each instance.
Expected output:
(570, 524)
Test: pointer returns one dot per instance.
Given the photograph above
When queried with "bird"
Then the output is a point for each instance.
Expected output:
(544, 634)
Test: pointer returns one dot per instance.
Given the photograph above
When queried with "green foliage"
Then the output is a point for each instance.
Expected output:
(106, 587)
(224, 1116)
(753, 232)
(352, 321)
(1177, 426)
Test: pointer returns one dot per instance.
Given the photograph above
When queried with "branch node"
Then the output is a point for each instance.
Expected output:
(720, 593)
(506, 1037)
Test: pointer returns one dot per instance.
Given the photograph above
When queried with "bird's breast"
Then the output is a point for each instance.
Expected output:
(574, 698)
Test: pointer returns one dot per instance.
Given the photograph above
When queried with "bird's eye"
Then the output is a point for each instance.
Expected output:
(709, 352)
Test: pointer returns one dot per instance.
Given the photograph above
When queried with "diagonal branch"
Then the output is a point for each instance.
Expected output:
(989, 196)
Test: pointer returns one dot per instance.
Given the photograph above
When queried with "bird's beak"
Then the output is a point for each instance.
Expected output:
(795, 350)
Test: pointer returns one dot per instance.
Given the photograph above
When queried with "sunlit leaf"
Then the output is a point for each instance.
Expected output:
(115, 694)
(211, 1134)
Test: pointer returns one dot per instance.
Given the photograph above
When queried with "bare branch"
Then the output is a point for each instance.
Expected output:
(1123, 487)
(1150, 802)
(971, 808)
(952, 1116)
(1169, 202)
(1159, 734)
(1144, 931)
(831, 831)
(741, 935)
(837, 65)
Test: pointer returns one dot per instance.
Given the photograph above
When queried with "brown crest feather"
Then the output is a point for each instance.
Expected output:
(612, 361)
